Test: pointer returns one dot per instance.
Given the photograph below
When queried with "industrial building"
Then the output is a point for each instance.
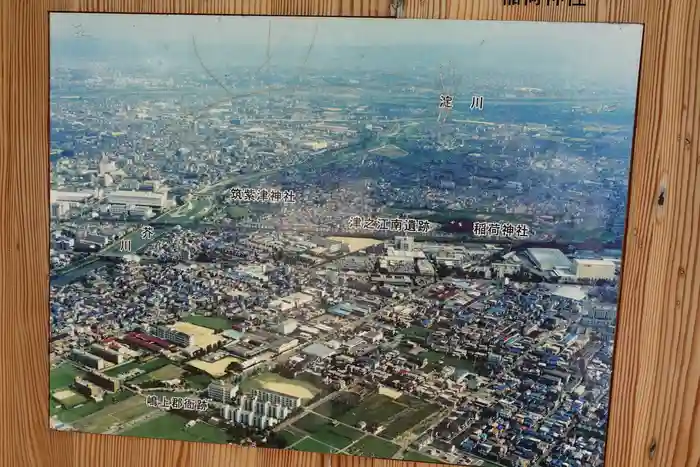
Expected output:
(549, 259)
(593, 269)
(146, 341)
(110, 355)
(103, 381)
(317, 350)
(87, 359)
(87, 389)
(139, 198)
(71, 197)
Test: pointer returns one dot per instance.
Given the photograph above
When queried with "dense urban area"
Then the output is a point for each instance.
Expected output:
(349, 262)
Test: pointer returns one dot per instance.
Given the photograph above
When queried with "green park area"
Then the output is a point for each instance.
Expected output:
(339, 415)
(420, 457)
(311, 445)
(210, 322)
(113, 414)
(237, 212)
(63, 376)
(410, 419)
(197, 381)
(173, 426)
(161, 374)
(327, 431)
(349, 409)
(373, 446)
(438, 360)
(291, 435)
(70, 415)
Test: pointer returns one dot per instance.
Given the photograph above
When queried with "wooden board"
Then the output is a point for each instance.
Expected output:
(654, 404)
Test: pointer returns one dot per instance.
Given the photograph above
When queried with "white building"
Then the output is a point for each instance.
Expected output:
(248, 418)
(72, 197)
(287, 327)
(118, 209)
(172, 335)
(106, 166)
(139, 198)
(252, 411)
(403, 243)
(141, 211)
(222, 392)
(88, 359)
(593, 269)
(277, 398)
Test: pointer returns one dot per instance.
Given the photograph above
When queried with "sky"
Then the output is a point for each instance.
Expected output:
(595, 48)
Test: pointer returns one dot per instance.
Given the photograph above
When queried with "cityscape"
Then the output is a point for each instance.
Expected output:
(394, 239)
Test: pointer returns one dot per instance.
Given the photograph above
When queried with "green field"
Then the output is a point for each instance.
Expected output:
(409, 419)
(103, 419)
(338, 406)
(211, 322)
(76, 413)
(62, 376)
(237, 212)
(323, 430)
(375, 409)
(290, 436)
(373, 447)
(419, 457)
(416, 332)
(311, 445)
(73, 401)
(120, 369)
(54, 408)
(172, 426)
(161, 374)
(198, 380)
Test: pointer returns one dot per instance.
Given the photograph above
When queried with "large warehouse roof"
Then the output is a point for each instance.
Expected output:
(318, 350)
(548, 259)
(70, 196)
(142, 198)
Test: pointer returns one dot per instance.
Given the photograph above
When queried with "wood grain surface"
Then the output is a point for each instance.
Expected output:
(655, 400)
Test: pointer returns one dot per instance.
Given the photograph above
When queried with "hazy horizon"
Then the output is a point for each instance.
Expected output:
(594, 51)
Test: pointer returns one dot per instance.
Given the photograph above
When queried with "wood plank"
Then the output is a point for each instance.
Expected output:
(657, 361)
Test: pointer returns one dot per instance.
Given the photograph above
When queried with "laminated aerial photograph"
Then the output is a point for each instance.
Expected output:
(381, 238)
